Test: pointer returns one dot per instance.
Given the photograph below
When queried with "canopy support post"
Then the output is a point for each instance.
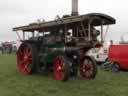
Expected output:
(23, 35)
(82, 25)
(102, 31)
(33, 34)
(89, 30)
(18, 35)
(65, 33)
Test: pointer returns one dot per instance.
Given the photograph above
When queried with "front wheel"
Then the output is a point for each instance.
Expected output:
(61, 69)
(88, 67)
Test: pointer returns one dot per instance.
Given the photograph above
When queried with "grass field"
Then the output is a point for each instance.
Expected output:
(13, 83)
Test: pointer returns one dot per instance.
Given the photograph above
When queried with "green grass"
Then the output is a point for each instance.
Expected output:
(13, 83)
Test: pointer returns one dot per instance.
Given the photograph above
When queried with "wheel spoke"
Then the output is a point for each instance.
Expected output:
(23, 62)
(20, 53)
(29, 67)
(29, 53)
(61, 74)
(25, 70)
(61, 68)
(88, 74)
(29, 58)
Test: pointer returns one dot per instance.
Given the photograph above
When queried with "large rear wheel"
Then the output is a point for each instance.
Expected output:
(61, 69)
(26, 58)
(88, 67)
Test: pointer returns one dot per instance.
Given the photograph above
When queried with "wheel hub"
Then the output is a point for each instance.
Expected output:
(87, 68)
(59, 68)
(25, 57)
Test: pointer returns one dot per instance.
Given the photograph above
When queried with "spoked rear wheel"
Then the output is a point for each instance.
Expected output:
(26, 58)
(88, 68)
(61, 69)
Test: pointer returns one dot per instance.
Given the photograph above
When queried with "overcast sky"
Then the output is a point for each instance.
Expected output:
(21, 12)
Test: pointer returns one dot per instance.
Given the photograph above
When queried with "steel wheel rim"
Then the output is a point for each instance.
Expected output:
(59, 69)
(86, 68)
(25, 58)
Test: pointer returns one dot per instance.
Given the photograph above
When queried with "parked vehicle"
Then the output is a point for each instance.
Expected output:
(118, 56)
(99, 54)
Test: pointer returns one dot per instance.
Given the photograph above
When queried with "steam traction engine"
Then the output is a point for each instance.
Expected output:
(60, 46)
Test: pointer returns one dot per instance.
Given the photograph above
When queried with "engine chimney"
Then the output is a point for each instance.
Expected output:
(74, 7)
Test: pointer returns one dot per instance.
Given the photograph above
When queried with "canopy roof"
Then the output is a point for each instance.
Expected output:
(96, 18)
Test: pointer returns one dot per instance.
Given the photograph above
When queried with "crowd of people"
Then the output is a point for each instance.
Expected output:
(8, 47)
